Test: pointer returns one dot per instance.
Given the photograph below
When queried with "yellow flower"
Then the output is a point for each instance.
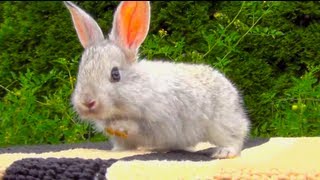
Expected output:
(18, 93)
(162, 32)
(294, 107)
(217, 15)
(300, 106)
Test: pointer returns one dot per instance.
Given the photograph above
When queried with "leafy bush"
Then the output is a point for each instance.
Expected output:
(270, 50)
(36, 77)
(30, 118)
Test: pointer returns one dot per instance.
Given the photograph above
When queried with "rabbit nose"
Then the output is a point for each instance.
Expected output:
(90, 104)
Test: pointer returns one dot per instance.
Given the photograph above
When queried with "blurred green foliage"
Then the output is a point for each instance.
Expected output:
(270, 50)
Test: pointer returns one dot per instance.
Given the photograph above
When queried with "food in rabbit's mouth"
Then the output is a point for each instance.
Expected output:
(122, 134)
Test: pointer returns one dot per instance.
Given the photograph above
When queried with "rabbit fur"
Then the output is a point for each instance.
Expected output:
(160, 105)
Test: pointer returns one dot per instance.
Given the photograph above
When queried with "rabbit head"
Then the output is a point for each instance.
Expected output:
(106, 63)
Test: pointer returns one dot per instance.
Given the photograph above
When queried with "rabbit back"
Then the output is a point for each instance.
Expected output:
(183, 104)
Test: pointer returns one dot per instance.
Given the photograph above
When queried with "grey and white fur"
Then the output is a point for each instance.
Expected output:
(161, 105)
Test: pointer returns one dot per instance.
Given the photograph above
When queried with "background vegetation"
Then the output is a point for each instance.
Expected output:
(270, 50)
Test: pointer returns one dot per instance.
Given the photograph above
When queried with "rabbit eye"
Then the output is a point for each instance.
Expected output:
(115, 74)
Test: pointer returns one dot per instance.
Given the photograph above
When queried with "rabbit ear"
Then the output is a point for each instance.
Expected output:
(87, 29)
(130, 26)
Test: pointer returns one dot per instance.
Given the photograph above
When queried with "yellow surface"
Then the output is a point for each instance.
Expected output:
(280, 158)
(289, 158)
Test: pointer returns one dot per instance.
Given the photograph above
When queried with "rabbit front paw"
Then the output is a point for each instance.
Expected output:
(225, 153)
(122, 145)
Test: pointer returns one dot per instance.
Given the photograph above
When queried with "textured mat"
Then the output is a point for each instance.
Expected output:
(275, 158)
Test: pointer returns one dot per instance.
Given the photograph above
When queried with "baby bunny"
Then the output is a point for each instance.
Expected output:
(151, 104)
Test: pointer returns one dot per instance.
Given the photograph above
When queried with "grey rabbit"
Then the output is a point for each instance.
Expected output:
(157, 105)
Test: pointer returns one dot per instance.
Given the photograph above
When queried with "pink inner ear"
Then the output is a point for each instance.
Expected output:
(87, 29)
(133, 24)
(80, 27)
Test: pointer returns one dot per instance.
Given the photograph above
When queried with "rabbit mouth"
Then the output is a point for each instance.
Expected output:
(86, 113)
(98, 114)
